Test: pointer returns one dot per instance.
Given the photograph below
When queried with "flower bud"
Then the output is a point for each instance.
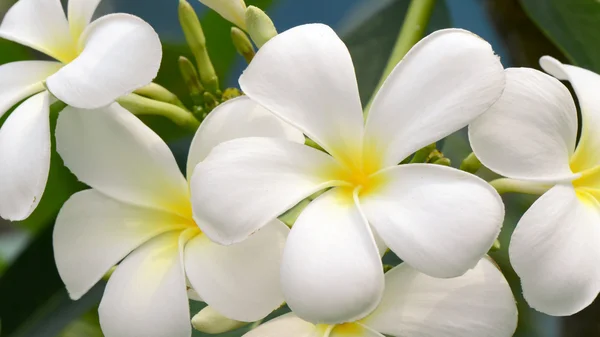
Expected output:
(231, 10)
(190, 77)
(242, 44)
(194, 36)
(471, 164)
(210, 321)
(259, 26)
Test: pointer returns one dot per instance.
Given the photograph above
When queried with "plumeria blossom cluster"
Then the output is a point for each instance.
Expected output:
(298, 141)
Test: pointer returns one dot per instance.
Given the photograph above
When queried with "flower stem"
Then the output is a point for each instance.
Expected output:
(413, 29)
(507, 185)
(139, 105)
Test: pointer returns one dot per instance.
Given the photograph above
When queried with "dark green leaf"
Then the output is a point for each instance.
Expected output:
(372, 39)
(573, 25)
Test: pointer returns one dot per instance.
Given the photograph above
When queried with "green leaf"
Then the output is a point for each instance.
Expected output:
(572, 25)
(34, 301)
(372, 39)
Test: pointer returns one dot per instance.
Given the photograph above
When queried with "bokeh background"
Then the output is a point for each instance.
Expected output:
(33, 301)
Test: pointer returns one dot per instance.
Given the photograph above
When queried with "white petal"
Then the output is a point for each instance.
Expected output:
(438, 219)
(114, 152)
(240, 281)
(42, 25)
(530, 132)
(479, 303)
(555, 251)
(233, 11)
(121, 53)
(80, 15)
(288, 325)
(94, 232)
(24, 157)
(305, 75)
(245, 183)
(585, 84)
(237, 118)
(444, 82)
(146, 295)
(18, 80)
(331, 270)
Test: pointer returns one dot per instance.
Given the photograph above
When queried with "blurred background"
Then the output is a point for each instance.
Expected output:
(33, 301)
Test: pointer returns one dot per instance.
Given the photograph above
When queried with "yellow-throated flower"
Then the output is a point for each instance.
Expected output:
(530, 134)
(138, 215)
(95, 63)
(437, 219)
(417, 305)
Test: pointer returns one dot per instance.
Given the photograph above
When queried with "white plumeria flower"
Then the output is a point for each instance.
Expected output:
(437, 219)
(233, 11)
(139, 212)
(96, 63)
(478, 303)
(530, 134)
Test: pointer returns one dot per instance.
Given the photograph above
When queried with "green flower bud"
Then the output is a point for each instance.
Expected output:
(259, 26)
(242, 44)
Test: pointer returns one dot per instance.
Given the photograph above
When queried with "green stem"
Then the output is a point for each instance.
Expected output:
(139, 105)
(506, 185)
(413, 29)
(160, 93)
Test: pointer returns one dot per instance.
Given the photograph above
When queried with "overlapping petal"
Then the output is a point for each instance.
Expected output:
(94, 232)
(114, 152)
(438, 219)
(479, 303)
(530, 132)
(18, 80)
(24, 157)
(353, 330)
(585, 83)
(146, 295)
(42, 25)
(237, 118)
(305, 75)
(331, 270)
(555, 251)
(119, 53)
(232, 10)
(240, 281)
(288, 325)
(444, 82)
(245, 183)
(80, 14)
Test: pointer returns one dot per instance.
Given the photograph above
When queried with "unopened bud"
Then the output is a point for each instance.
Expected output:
(259, 26)
(190, 77)
(242, 44)
(422, 155)
(471, 164)
(159, 93)
(210, 321)
(443, 161)
(231, 10)
(194, 35)
(230, 93)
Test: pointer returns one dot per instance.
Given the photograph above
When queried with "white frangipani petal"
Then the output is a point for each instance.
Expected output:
(288, 325)
(120, 53)
(586, 84)
(444, 82)
(146, 295)
(114, 152)
(24, 157)
(245, 183)
(530, 132)
(94, 232)
(233, 11)
(80, 14)
(237, 118)
(438, 219)
(42, 25)
(305, 75)
(240, 281)
(555, 251)
(479, 303)
(331, 270)
(18, 80)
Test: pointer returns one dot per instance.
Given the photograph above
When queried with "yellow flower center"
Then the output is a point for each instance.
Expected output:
(359, 170)
(341, 330)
